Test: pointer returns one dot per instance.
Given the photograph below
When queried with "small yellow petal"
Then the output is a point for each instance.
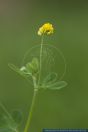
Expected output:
(47, 28)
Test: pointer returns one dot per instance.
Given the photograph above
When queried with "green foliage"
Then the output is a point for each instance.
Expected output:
(50, 78)
(8, 122)
(51, 82)
(57, 85)
(22, 71)
(33, 66)
(30, 69)
(33, 69)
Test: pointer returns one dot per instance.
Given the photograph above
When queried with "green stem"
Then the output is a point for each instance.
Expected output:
(41, 50)
(35, 90)
(31, 112)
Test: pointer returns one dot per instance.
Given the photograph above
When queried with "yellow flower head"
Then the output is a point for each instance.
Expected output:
(47, 29)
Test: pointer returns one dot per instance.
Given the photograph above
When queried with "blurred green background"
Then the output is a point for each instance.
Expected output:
(19, 22)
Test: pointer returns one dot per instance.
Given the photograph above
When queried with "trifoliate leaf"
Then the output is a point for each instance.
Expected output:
(50, 78)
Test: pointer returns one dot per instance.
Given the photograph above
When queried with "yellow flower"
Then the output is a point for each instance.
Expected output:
(47, 28)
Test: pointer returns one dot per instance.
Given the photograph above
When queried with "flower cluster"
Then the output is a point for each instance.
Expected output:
(47, 29)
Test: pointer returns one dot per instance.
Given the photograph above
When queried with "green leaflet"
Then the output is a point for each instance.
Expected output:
(26, 71)
(50, 82)
(8, 122)
(57, 85)
(13, 67)
(35, 63)
(22, 71)
(33, 66)
(50, 78)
